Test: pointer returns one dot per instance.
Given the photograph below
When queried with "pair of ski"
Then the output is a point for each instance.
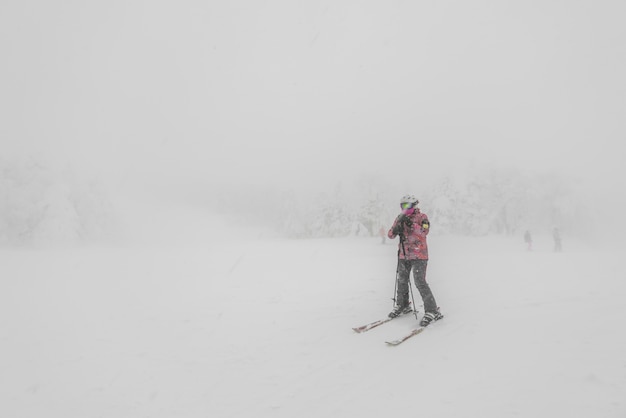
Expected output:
(371, 325)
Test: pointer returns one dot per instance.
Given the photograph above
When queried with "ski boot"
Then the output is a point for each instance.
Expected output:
(430, 317)
(400, 310)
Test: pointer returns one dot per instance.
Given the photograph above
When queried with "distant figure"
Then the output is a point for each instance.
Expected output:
(556, 234)
(382, 234)
(528, 240)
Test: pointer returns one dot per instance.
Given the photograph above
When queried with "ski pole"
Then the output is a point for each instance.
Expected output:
(412, 298)
(395, 289)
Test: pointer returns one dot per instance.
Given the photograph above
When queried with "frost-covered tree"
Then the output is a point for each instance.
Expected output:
(372, 214)
(292, 221)
(477, 200)
(41, 205)
(333, 217)
(487, 199)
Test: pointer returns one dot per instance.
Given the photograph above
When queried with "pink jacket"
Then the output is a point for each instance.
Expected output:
(414, 242)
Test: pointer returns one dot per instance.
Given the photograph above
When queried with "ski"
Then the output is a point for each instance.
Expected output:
(367, 327)
(371, 325)
(406, 337)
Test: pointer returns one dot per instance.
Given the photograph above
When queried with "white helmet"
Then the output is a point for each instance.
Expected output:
(409, 198)
(408, 201)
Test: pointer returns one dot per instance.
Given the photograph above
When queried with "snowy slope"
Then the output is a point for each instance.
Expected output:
(233, 326)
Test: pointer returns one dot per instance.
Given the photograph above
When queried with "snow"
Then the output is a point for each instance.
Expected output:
(224, 321)
(310, 117)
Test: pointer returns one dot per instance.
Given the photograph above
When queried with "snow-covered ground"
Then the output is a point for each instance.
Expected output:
(236, 322)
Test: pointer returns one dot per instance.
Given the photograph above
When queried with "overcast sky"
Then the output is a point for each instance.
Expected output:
(305, 92)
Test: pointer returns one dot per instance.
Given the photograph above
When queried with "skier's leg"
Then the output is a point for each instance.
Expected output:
(419, 274)
(402, 293)
(402, 289)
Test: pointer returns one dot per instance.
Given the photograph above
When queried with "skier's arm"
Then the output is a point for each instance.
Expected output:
(391, 234)
(397, 227)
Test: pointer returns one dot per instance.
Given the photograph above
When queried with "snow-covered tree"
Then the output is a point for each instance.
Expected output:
(41, 205)
(488, 199)
(333, 217)
(372, 214)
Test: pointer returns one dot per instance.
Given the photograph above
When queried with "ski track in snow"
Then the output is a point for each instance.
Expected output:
(263, 328)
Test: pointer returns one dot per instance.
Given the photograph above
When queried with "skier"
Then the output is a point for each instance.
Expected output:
(528, 239)
(556, 234)
(412, 226)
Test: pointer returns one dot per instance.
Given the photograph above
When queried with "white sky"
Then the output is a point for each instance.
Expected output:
(296, 93)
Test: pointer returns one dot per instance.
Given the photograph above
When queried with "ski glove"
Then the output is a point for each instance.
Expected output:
(400, 223)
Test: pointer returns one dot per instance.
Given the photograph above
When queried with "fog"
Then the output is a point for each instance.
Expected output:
(302, 95)
(159, 158)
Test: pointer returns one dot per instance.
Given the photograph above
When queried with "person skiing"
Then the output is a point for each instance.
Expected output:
(556, 234)
(412, 226)
(528, 239)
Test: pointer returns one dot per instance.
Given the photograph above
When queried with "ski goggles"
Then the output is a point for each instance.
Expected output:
(406, 205)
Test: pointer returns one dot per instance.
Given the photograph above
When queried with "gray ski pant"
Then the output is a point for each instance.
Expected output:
(419, 275)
